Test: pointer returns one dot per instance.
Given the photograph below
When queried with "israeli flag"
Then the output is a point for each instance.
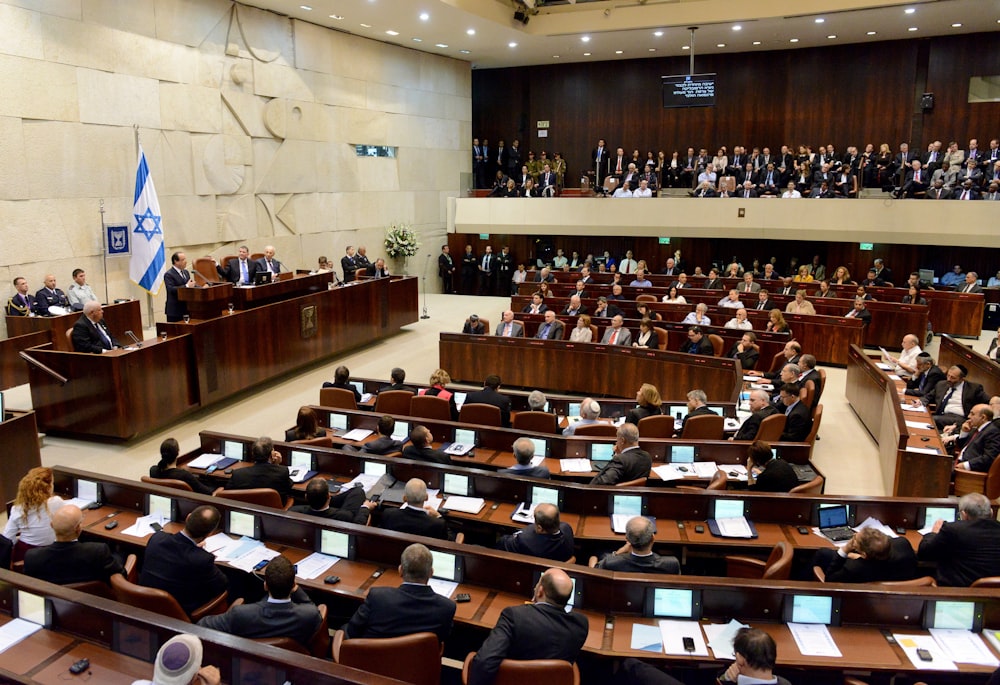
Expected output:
(148, 263)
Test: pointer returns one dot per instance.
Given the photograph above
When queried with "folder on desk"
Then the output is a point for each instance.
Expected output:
(732, 528)
(458, 449)
(225, 463)
(300, 474)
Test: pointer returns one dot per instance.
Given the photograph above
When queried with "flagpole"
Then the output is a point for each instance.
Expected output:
(104, 240)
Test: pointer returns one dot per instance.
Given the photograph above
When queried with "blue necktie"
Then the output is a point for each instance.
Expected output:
(244, 275)
(944, 402)
(544, 332)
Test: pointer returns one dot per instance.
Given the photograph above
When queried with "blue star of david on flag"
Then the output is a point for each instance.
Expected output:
(142, 224)
(148, 263)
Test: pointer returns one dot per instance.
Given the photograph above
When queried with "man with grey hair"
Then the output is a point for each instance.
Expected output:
(927, 376)
(977, 442)
(760, 405)
(698, 316)
(971, 284)
(697, 400)
(546, 538)
(537, 401)
(616, 333)
(268, 262)
(968, 549)
(413, 607)
(90, 333)
(636, 555)
(629, 462)
(524, 452)
(415, 517)
(590, 411)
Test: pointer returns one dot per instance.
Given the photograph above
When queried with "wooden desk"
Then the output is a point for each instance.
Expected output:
(874, 397)
(121, 317)
(19, 437)
(13, 371)
(982, 369)
(586, 367)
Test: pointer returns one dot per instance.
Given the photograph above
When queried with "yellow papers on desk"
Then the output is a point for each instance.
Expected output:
(673, 632)
(814, 639)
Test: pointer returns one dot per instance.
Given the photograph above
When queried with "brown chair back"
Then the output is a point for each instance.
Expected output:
(661, 337)
(93, 587)
(319, 643)
(974, 481)
(481, 414)
(597, 430)
(337, 398)
(813, 487)
(817, 419)
(593, 333)
(151, 599)
(204, 271)
(412, 658)
(393, 402)
(988, 581)
(535, 421)
(638, 482)
(264, 497)
(659, 426)
(704, 427)
(807, 394)
(168, 483)
(645, 297)
(719, 481)
(778, 361)
(771, 428)
(779, 564)
(716, 341)
(254, 256)
(535, 672)
(923, 581)
(430, 407)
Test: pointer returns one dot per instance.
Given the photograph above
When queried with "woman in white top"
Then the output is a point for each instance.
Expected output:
(582, 332)
(647, 336)
(29, 524)
(674, 298)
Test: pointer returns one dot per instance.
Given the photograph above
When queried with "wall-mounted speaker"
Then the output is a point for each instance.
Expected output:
(521, 16)
(927, 101)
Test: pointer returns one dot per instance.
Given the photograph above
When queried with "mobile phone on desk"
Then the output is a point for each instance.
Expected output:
(211, 469)
(924, 655)
(688, 644)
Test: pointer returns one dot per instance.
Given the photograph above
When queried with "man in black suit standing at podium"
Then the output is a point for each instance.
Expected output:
(90, 333)
(177, 276)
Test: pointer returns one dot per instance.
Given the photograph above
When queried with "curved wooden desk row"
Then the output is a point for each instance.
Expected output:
(586, 367)
(982, 369)
(493, 444)
(206, 303)
(874, 397)
(610, 601)
(121, 643)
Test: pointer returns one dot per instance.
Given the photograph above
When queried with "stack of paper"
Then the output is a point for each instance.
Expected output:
(445, 588)
(466, 505)
(14, 631)
(872, 522)
(814, 639)
(673, 632)
(204, 461)
(720, 638)
(646, 638)
(668, 472)
(734, 527)
(142, 526)
(575, 465)
(704, 469)
(910, 645)
(356, 434)
(964, 647)
(314, 565)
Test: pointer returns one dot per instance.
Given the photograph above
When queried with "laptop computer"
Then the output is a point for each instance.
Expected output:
(833, 522)
(804, 472)
(262, 277)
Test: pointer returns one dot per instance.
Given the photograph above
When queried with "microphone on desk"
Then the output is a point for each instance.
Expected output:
(208, 281)
(131, 335)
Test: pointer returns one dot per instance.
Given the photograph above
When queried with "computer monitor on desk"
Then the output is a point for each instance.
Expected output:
(811, 609)
(262, 278)
(243, 525)
(447, 566)
(662, 602)
(335, 544)
(166, 507)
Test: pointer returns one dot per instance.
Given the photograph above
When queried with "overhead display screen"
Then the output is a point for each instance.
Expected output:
(689, 90)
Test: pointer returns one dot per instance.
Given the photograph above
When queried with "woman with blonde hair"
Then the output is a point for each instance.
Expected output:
(29, 524)
(777, 323)
(648, 401)
(803, 276)
(582, 332)
(438, 380)
(841, 277)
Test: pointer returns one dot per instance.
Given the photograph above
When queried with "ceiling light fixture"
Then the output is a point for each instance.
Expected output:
(585, 39)
(832, 36)
(819, 20)
(652, 49)
(470, 32)
(464, 52)
(424, 16)
(756, 42)
(440, 45)
(307, 8)
(392, 33)
(737, 27)
(658, 34)
(367, 26)
(909, 10)
(912, 28)
(618, 52)
(512, 44)
(870, 33)
(418, 40)
(685, 47)
(586, 54)
(555, 56)
(338, 17)
(956, 26)
(793, 40)
(720, 45)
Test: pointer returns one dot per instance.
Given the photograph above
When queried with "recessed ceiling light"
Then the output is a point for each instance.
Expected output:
(555, 56)
(652, 49)
(737, 27)
(418, 40)
(464, 52)
(367, 26)
(424, 16)
(909, 10)
(793, 40)
(585, 39)
(819, 20)
(685, 47)
(470, 32)
(870, 33)
(912, 28)
(512, 44)
(956, 26)
(618, 52)
(657, 33)
(440, 45)
(307, 8)
(720, 45)
(586, 54)
(392, 33)
(338, 17)
(832, 36)
(756, 42)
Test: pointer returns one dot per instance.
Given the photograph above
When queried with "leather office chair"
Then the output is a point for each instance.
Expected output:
(777, 362)
(263, 497)
(254, 256)
(771, 428)
(536, 672)
(661, 337)
(645, 297)
(661, 426)
(638, 482)
(536, 421)
(593, 333)
(101, 589)
(337, 398)
(393, 402)
(704, 427)
(430, 407)
(319, 643)
(597, 430)
(69, 338)
(813, 487)
(481, 414)
(412, 658)
(168, 483)
(777, 567)
(988, 581)
(807, 394)
(817, 419)
(923, 581)
(974, 481)
(717, 343)
(485, 322)
(719, 481)
(204, 272)
(325, 441)
(162, 602)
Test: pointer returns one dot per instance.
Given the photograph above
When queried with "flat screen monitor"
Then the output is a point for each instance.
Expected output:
(262, 277)
(359, 386)
(718, 409)
(457, 484)
(628, 505)
(573, 409)
(927, 275)
(602, 451)
(243, 524)
(688, 90)
(447, 566)
(541, 446)
(726, 507)
(539, 494)
(33, 608)
(678, 411)
(88, 490)
(338, 422)
(663, 602)
(134, 641)
(164, 506)
(811, 609)
(335, 544)
(298, 459)
(832, 516)
(232, 449)
(682, 454)
(465, 436)
(821, 516)
(955, 615)
(401, 431)
(374, 468)
(928, 515)
(460, 399)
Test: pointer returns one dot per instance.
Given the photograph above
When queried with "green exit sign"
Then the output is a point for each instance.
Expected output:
(664, 241)
(867, 247)
(486, 236)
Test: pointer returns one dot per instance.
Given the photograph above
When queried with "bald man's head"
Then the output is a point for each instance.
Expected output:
(554, 587)
(67, 522)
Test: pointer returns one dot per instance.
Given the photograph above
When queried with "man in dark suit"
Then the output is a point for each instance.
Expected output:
(490, 395)
(50, 296)
(397, 376)
(629, 462)
(67, 560)
(238, 271)
(798, 422)
(21, 304)
(546, 538)
(697, 342)
(470, 269)
(928, 375)
(508, 327)
(636, 555)
(605, 310)
(505, 271)
(266, 471)
(767, 473)
(287, 610)
(524, 452)
(90, 333)
(347, 505)
(713, 282)
(421, 447)
(269, 263)
(860, 311)
(446, 270)
(349, 263)
(760, 405)
(600, 162)
(574, 307)
(970, 285)
(697, 406)
(551, 328)
(177, 276)
(384, 443)
(179, 565)
(487, 272)
(413, 607)
(870, 556)
(415, 517)
(968, 549)
(979, 441)
(764, 301)
(954, 397)
(540, 630)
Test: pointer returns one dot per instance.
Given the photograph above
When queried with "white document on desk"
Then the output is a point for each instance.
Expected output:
(356, 434)
(734, 527)
(911, 643)
(314, 565)
(646, 638)
(365, 480)
(537, 460)
(919, 424)
(249, 560)
(814, 639)
(14, 631)
(673, 633)
(905, 406)
(720, 638)
(217, 542)
(872, 522)
(204, 461)
(237, 548)
(964, 647)
(445, 588)
(466, 505)
(575, 465)
(524, 513)
(668, 472)
(143, 526)
(704, 469)
(923, 450)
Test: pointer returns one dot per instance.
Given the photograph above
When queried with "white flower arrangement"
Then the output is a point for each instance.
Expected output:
(401, 241)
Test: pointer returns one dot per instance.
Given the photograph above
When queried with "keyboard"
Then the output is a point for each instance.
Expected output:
(838, 533)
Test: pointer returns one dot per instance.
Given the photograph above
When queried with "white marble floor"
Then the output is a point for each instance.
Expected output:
(845, 453)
